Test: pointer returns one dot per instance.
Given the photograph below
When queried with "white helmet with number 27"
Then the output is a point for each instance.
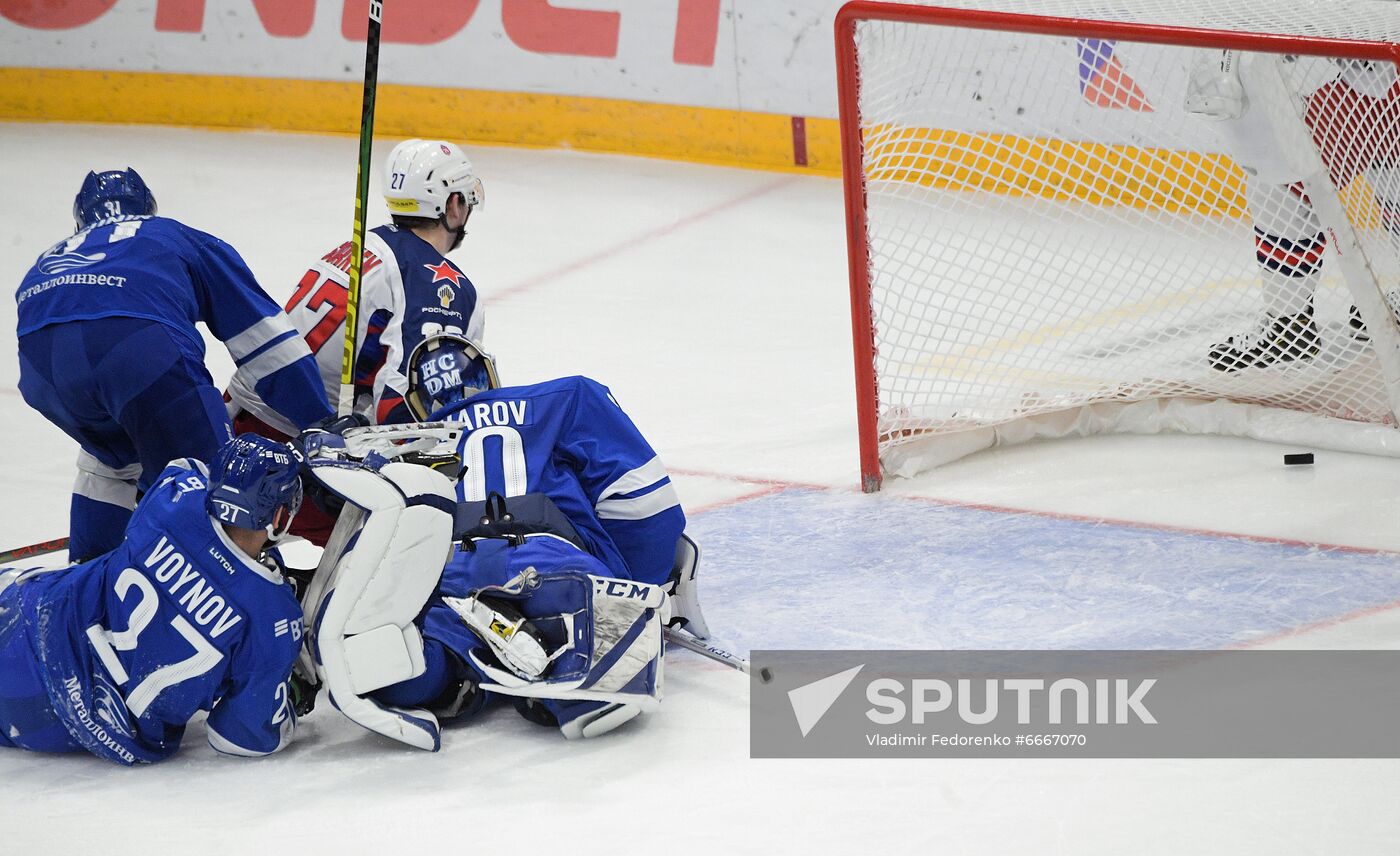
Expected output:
(421, 175)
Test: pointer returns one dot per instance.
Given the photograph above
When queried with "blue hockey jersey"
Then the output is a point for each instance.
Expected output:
(569, 440)
(175, 620)
(159, 269)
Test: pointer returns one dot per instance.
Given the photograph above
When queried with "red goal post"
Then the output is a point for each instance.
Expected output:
(908, 205)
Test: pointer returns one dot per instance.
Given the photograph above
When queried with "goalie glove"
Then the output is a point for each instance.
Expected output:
(1214, 90)
(509, 635)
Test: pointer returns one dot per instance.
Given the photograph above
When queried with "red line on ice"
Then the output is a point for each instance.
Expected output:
(1320, 624)
(768, 490)
(1055, 515)
(619, 248)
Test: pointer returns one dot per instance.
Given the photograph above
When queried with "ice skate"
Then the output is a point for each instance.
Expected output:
(1279, 338)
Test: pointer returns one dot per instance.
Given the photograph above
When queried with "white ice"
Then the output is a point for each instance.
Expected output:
(714, 303)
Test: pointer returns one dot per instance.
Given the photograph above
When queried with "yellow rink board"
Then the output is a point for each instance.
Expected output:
(700, 134)
(1095, 173)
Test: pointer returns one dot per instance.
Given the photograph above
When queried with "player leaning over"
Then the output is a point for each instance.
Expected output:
(409, 290)
(572, 535)
(109, 351)
(190, 613)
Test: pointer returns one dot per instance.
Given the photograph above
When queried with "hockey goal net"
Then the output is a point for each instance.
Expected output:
(1121, 215)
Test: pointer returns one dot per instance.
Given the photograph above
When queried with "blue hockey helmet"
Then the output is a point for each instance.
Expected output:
(255, 483)
(445, 369)
(114, 193)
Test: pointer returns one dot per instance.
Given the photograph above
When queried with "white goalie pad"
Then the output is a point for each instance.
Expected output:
(382, 564)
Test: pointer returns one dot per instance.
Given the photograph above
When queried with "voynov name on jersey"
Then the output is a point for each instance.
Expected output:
(176, 620)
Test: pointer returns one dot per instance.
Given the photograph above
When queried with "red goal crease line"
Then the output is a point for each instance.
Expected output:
(772, 486)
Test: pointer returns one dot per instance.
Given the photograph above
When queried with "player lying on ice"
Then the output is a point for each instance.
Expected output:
(191, 612)
(563, 538)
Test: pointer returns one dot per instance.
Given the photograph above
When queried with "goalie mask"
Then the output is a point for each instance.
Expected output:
(446, 369)
(255, 483)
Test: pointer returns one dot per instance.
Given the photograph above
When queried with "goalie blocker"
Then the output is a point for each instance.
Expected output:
(538, 619)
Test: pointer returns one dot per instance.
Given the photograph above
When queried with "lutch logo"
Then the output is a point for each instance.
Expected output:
(810, 702)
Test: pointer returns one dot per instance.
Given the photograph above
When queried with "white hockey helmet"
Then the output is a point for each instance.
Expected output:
(420, 176)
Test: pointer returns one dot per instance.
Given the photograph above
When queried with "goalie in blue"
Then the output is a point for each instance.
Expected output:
(109, 351)
(567, 439)
(191, 612)
(569, 559)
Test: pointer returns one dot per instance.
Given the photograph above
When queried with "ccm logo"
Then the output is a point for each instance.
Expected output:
(622, 588)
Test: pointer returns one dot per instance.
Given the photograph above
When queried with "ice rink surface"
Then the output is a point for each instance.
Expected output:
(713, 302)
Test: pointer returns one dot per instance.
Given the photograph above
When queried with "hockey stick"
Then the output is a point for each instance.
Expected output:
(346, 404)
(397, 441)
(40, 549)
(707, 649)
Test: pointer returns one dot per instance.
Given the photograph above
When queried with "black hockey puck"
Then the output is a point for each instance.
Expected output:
(766, 675)
(1298, 458)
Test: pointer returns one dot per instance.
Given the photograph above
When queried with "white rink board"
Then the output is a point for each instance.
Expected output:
(713, 302)
(775, 56)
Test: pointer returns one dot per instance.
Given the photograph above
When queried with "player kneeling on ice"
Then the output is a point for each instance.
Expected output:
(569, 540)
(191, 612)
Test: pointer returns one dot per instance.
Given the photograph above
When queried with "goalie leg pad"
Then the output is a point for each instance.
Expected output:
(582, 719)
(382, 564)
(1214, 89)
(576, 719)
(447, 688)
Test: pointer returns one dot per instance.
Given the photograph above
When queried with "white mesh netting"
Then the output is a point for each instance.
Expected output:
(1058, 245)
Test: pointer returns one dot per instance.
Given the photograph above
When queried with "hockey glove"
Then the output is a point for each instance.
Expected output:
(304, 692)
(325, 438)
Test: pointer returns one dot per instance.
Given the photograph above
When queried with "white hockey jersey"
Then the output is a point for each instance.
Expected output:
(408, 291)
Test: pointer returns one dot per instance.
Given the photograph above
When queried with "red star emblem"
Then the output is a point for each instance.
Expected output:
(445, 271)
